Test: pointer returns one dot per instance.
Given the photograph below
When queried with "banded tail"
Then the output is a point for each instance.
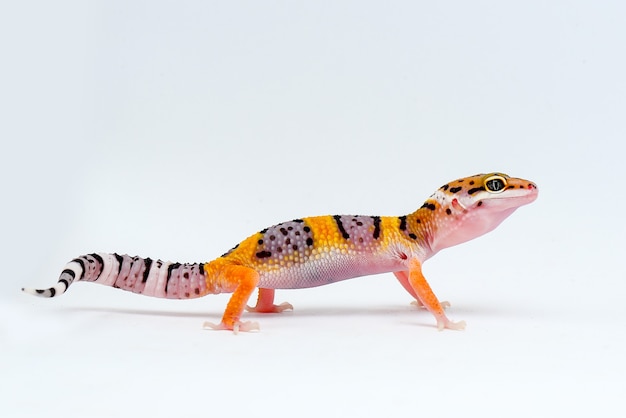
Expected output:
(149, 277)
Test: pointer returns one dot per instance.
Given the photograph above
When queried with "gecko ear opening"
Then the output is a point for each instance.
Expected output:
(458, 205)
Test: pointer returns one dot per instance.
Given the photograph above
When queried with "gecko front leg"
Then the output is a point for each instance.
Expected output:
(426, 296)
(403, 278)
(265, 303)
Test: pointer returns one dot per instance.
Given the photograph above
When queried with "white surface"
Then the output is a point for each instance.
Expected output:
(176, 130)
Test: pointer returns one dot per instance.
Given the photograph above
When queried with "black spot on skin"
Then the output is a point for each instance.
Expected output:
(69, 272)
(471, 183)
(196, 291)
(283, 231)
(260, 242)
(402, 223)
(480, 203)
(279, 249)
(344, 234)
(185, 275)
(444, 187)
(120, 260)
(419, 221)
(455, 189)
(263, 254)
(510, 187)
(461, 181)
(99, 260)
(297, 233)
(147, 263)
(263, 231)
(52, 292)
(187, 294)
(290, 228)
(82, 265)
(295, 247)
(376, 234)
(201, 268)
(448, 211)
(309, 241)
(306, 229)
(298, 220)
(431, 206)
(288, 241)
(475, 189)
(412, 236)
(272, 237)
(169, 274)
(40, 291)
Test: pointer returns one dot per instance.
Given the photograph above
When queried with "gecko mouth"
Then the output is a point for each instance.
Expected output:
(521, 200)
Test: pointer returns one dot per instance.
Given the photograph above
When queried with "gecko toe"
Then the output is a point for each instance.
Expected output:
(270, 309)
(238, 326)
(447, 324)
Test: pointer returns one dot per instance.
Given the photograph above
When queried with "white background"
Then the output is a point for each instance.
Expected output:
(174, 130)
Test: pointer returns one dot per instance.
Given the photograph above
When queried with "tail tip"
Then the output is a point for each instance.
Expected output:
(38, 292)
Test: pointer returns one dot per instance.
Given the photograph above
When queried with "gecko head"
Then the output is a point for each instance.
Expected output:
(489, 193)
(472, 206)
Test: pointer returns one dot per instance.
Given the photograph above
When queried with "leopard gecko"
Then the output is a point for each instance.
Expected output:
(316, 251)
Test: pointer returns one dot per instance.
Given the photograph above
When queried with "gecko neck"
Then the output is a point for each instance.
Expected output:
(447, 226)
(420, 228)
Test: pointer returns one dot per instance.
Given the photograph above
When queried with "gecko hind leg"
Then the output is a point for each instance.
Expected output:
(265, 303)
(244, 280)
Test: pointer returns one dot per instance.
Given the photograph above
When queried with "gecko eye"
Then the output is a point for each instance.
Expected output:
(495, 184)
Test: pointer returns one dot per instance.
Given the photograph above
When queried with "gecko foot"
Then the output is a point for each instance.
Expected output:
(271, 308)
(444, 304)
(235, 328)
(445, 323)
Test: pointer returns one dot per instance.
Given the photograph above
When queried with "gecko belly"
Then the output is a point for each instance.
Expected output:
(326, 269)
